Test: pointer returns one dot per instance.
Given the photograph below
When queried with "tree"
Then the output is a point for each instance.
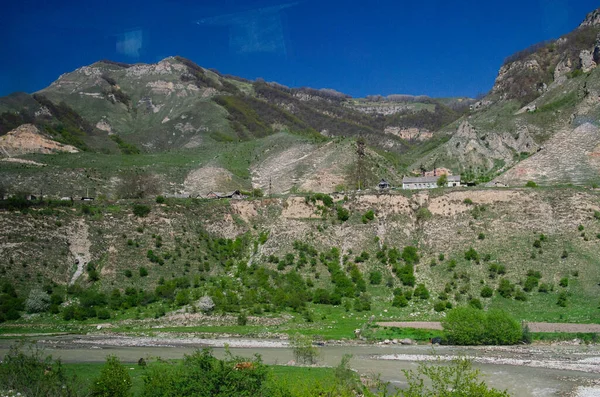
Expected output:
(206, 304)
(442, 180)
(456, 380)
(303, 349)
(465, 326)
(114, 380)
(38, 301)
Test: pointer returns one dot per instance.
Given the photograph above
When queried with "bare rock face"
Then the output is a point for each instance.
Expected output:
(592, 19)
(563, 68)
(597, 50)
(409, 133)
(587, 61)
(28, 139)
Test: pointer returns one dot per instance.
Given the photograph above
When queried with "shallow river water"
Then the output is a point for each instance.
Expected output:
(525, 370)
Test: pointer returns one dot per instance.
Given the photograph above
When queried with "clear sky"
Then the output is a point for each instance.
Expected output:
(432, 47)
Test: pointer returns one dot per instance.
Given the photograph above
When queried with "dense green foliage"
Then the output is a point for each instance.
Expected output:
(32, 374)
(456, 380)
(470, 326)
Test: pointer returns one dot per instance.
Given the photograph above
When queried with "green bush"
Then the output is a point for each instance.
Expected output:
(471, 326)
(143, 272)
(423, 214)
(471, 255)
(400, 301)
(375, 277)
(342, 214)
(531, 184)
(440, 379)
(465, 326)
(501, 329)
(564, 282)
(160, 199)
(202, 375)
(505, 288)
(421, 292)
(562, 299)
(34, 375)
(141, 210)
(439, 306)
(114, 380)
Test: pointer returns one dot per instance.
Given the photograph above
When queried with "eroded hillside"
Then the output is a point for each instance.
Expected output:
(466, 240)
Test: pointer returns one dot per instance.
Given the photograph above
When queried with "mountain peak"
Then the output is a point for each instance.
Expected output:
(592, 19)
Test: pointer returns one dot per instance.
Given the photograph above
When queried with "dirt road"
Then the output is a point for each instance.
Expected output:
(533, 327)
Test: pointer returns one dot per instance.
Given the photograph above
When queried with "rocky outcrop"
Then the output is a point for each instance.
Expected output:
(565, 66)
(504, 79)
(28, 139)
(592, 19)
(597, 49)
(410, 134)
(587, 61)
(470, 146)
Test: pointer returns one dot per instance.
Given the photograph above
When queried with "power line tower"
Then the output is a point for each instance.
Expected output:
(360, 152)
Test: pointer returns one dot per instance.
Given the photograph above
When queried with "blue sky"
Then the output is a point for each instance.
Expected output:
(432, 47)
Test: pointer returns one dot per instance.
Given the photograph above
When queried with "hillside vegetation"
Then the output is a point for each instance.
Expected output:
(307, 262)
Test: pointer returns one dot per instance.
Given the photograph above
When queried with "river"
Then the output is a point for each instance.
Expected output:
(522, 370)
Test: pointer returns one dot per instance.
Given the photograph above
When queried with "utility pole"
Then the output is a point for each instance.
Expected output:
(360, 152)
(270, 187)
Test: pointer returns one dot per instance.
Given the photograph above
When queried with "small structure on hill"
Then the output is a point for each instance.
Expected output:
(428, 182)
(236, 195)
(384, 185)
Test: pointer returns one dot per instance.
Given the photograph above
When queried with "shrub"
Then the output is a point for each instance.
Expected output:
(143, 272)
(476, 303)
(442, 180)
(114, 380)
(38, 301)
(531, 184)
(439, 306)
(421, 292)
(141, 210)
(505, 288)
(502, 329)
(423, 214)
(530, 284)
(564, 282)
(597, 215)
(456, 379)
(36, 375)
(375, 277)
(472, 255)
(470, 326)
(206, 304)
(580, 228)
(128, 273)
(303, 349)
(562, 299)
(342, 214)
(543, 288)
(400, 301)
(465, 326)
(481, 236)
(368, 216)
(468, 201)
(564, 254)
(520, 296)
(486, 292)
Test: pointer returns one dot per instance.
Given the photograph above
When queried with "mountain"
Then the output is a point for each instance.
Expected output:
(541, 97)
(241, 134)
(195, 130)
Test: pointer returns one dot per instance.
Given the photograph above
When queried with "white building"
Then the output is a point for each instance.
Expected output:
(428, 182)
